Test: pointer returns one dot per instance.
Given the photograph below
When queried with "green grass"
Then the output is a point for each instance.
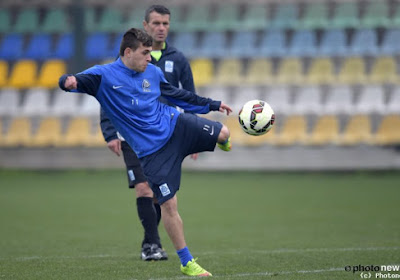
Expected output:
(83, 225)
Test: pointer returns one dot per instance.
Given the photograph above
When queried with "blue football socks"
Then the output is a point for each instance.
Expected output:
(184, 256)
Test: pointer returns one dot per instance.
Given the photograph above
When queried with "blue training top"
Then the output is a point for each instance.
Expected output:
(130, 100)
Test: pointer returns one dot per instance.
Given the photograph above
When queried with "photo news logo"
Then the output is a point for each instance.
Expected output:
(375, 271)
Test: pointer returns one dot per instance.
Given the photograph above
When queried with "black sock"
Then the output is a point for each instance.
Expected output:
(148, 217)
(158, 211)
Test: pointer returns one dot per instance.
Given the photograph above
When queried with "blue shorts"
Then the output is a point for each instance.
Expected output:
(163, 168)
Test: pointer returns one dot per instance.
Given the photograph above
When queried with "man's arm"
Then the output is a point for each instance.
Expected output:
(110, 133)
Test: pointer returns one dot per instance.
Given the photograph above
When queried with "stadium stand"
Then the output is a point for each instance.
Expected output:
(280, 98)
(229, 72)
(56, 21)
(303, 44)
(259, 72)
(9, 102)
(315, 16)
(273, 44)
(27, 21)
(78, 133)
(324, 132)
(39, 47)
(5, 21)
(243, 44)
(290, 71)
(227, 17)
(321, 72)
(308, 101)
(333, 43)
(393, 106)
(23, 74)
(391, 43)
(352, 71)
(388, 132)
(35, 103)
(48, 134)
(345, 15)
(358, 130)
(384, 71)
(11, 47)
(19, 133)
(254, 18)
(203, 71)
(371, 100)
(3, 73)
(286, 16)
(65, 104)
(376, 15)
(294, 131)
(50, 72)
(339, 101)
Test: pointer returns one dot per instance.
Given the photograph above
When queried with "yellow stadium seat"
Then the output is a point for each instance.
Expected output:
(50, 73)
(229, 72)
(97, 139)
(352, 71)
(294, 131)
(1, 133)
(388, 132)
(325, 131)
(384, 71)
(3, 73)
(259, 72)
(23, 74)
(357, 131)
(78, 133)
(290, 71)
(48, 134)
(321, 72)
(203, 71)
(19, 133)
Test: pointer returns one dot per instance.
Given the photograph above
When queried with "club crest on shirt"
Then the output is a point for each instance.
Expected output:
(146, 86)
(169, 66)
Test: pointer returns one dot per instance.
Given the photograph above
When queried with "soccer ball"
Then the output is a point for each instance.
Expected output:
(256, 117)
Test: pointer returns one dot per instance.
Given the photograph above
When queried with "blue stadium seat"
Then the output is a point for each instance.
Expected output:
(391, 42)
(213, 45)
(303, 44)
(64, 47)
(39, 47)
(333, 43)
(273, 44)
(11, 47)
(365, 42)
(97, 46)
(243, 44)
(186, 43)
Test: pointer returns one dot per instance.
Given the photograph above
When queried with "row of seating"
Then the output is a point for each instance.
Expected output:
(222, 16)
(25, 74)
(294, 130)
(213, 44)
(285, 100)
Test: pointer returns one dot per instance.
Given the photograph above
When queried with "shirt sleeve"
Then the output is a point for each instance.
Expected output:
(88, 81)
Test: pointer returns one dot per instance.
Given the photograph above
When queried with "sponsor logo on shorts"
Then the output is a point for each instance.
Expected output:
(131, 175)
(164, 189)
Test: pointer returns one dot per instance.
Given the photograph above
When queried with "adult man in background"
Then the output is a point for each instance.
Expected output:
(177, 71)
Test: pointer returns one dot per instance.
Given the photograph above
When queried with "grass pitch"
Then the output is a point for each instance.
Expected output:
(83, 225)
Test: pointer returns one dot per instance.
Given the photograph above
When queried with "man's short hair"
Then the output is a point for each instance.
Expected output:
(132, 39)
(160, 9)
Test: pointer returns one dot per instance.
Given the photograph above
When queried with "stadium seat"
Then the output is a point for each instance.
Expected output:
(273, 44)
(203, 71)
(23, 74)
(186, 43)
(89, 106)
(198, 18)
(371, 100)
(259, 72)
(39, 47)
(5, 20)
(97, 46)
(321, 72)
(255, 17)
(339, 101)
(50, 72)
(393, 106)
(9, 102)
(364, 43)
(55, 21)
(391, 43)
(90, 20)
(243, 44)
(358, 130)
(213, 45)
(345, 15)
(290, 71)
(64, 47)
(308, 101)
(286, 16)
(111, 20)
(303, 44)
(376, 15)
(395, 20)
(217, 92)
(388, 132)
(176, 22)
(65, 103)
(324, 132)
(49, 133)
(226, 18)
(293, 131)
(11, 47)
(315, 16)
(19, 133)
(1, 134)
(333, 43)
(242, 94)
(229, 72)
(352, 71)
(97, 139)
(3, 73)
(78, 133)
(279, 97)
(27, 21)
(36, 102)
(384, 71)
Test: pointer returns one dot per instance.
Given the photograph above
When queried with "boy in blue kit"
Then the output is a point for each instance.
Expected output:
(128, 91)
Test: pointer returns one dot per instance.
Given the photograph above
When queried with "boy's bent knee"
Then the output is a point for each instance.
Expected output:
(223, 134)
(143, 190)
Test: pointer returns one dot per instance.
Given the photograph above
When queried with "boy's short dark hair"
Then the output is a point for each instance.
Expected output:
(132, 38)
(160, 9)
